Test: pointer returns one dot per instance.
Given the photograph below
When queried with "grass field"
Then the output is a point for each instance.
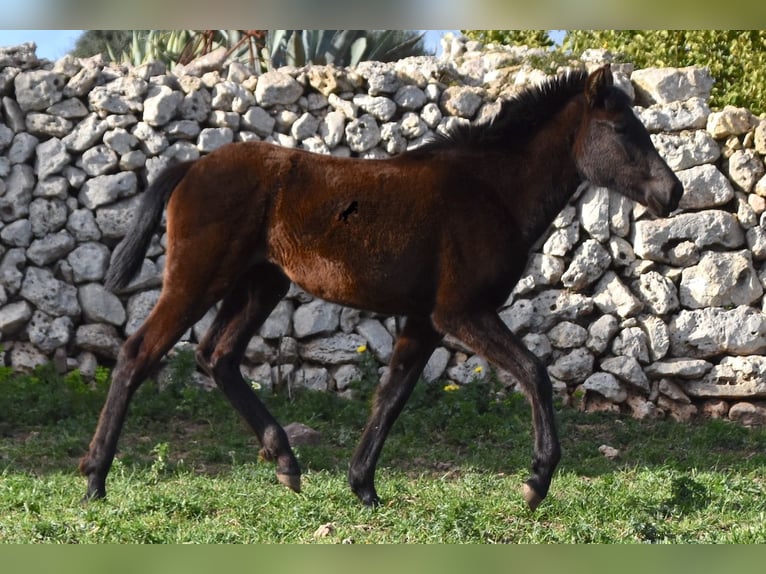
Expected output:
(187, 471)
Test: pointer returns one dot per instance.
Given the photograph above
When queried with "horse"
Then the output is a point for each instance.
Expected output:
(439, 234)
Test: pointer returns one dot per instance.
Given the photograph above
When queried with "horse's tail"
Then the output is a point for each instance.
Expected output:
(129, 254)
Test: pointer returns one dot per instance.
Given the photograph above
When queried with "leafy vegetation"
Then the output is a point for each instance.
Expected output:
(261, 49)
(187, 471)
(736, 58)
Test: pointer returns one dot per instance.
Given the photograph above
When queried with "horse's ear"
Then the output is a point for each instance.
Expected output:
(597, 83)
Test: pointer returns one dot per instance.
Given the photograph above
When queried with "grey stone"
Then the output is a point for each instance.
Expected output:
(748, 414)
(22, 148)
(631, 342)
(475, 368)
(115, 220)
(55, 187)
(410, 98)
(412, 127)
(69, 108)
(553, 306)
(332, 128)
(120, 140)
(675, 116)
(733, 377)
(573, 367)
(151, 141)
(657, 336)
(232, 96)
(687, 149)
(99, 160)
(379, 340)
(13, 316)
(14, 117)
(658, 293)
(594, 212)
(380, 107)
(562, 240)
(720, 280)
(50, 248)
(704, 187)
(46, 125)
(161, 105)
(196, 105)
(607, 386)
(52, 157)
(436, 365)
(333, 350)
(38, 89)
(14, 203)
(212, 138)
(601, 332)
(85, 134)
(82, 82)
(345, 375)
(745, 168)
(258, 120)
(678, 368)
(710, 332)
(664, 85)
(11, 270)
(106, 189)
(82, 225)
(49, 333)
(278, 324)
(654, 238)
(461, 101)
(316, 317)
(49, 294)
(627, 369)
(100, 306)
(313, 378)
(89, 262)
(567, 335)
(138, 309)
(730, 121)
(277, 88)
(17, 234)
(25, 358)
(589, 263)
(304, 127)
(362, 134)
(99, 339)
(612, 296)
(519, 316)
(47, 216)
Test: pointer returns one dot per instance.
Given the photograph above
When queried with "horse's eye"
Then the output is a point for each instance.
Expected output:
(619, 128)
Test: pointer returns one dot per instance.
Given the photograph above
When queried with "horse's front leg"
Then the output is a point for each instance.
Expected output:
(487, 335)
(411, 353)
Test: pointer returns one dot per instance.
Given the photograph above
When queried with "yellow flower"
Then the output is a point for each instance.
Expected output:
(255, 385)
(451, 387)
(478, 370)
(361, 348)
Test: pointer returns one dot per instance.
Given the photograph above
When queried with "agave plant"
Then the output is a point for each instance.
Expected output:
(263, 50)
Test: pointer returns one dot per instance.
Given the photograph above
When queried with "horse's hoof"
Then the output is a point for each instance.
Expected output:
(531, 497)
(291, 481)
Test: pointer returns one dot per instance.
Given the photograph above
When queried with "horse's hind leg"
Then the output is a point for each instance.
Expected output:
(242, 312)
(487, 335)
(137, 358)
(411, 353)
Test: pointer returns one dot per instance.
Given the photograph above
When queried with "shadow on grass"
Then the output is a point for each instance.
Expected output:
(46, 423)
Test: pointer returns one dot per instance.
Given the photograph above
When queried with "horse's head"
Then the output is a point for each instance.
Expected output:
(613, 149)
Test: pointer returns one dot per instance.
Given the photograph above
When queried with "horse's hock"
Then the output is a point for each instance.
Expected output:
(630, 313)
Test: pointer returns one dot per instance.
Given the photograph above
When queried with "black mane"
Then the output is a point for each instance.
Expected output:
(519, 115)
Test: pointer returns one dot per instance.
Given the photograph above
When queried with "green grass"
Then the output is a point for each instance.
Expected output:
(451, 471)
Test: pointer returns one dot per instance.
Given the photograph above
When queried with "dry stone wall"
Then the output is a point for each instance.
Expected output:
(630, 313)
